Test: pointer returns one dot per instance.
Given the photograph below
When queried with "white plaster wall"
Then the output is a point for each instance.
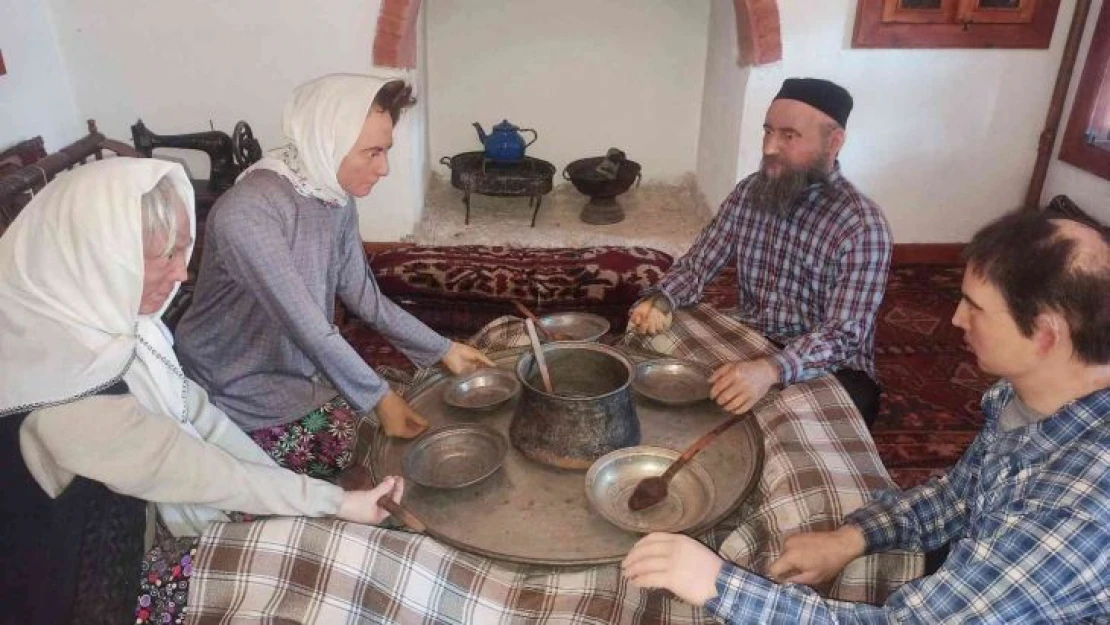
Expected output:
(722, 106)
(391, 211)
(180, 64)
(35, 95)
(1090, 192)
(587, 75)
(943, 140)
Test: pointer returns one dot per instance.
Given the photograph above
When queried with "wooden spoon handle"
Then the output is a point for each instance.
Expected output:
(401, 513)
(697, 446)
(537, 349)
(528, 314)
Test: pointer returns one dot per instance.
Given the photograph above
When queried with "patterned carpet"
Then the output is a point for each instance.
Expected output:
(931, 386)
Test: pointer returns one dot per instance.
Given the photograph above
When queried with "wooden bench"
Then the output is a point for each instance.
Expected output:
(19, 186)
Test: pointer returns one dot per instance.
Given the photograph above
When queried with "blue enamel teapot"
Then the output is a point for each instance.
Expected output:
(504, 143)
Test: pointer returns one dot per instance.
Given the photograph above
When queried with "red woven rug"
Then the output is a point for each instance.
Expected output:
(931, 386)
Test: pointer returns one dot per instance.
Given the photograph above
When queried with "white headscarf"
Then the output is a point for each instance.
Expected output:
(322, 121)
(71, 280)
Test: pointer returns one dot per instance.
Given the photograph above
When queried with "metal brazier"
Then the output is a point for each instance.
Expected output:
(589, 414)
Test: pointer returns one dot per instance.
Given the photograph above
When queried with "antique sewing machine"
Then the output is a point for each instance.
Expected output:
(228, 155)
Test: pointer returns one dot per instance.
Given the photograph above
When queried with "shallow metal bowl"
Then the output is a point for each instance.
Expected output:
(574, 326)
(672, 381)
(454, 456)
(611, 480)
(484, 389)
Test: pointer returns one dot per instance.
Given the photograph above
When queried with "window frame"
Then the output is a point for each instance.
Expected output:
(1074, 148)
(871, 31)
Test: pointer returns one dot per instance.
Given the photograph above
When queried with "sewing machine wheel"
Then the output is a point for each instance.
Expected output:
(245, 149)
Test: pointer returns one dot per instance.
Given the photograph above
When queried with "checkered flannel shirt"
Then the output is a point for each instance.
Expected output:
(1028, 514)
(811, 280)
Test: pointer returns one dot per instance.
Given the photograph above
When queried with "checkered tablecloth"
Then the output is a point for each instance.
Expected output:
(820, 464)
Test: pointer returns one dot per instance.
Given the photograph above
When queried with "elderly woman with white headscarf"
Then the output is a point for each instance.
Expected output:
(95, 412)
(280, 246)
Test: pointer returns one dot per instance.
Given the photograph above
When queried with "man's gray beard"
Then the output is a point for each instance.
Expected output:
(777, 195)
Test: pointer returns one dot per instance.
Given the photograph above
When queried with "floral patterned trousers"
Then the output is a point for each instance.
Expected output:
(319, 445)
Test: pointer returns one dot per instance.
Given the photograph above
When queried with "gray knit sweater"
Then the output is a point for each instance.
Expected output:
(259, 335)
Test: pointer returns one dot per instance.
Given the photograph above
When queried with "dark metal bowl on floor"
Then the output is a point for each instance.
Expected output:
(602, 207)
(583, 175)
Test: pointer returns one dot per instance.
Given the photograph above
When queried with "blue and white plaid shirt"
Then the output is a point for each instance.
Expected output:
(811, 280)
(1027, 512)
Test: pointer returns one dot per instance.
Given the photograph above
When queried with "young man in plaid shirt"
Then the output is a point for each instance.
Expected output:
(1026, 510)
(812, 255)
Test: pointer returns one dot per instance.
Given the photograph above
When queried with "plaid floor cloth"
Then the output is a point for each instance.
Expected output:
(820, 464)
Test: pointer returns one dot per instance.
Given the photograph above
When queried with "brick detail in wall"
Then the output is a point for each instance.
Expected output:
(757, 31)
(395, 40)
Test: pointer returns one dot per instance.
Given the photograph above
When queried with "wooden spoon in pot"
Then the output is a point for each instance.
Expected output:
(537, 349)
(652, 490)
(528, 314)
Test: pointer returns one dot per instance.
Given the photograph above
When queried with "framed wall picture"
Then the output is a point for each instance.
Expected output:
(954, 23)
(1086, 142)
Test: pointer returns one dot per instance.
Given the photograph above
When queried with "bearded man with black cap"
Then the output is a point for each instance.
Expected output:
(811, 252)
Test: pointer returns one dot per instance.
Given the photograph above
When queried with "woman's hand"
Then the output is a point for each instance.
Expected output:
(675, 562)
(461, 358)
(398, 418)
(361, 506)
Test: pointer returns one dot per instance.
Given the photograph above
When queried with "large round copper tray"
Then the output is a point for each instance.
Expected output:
(535, 514)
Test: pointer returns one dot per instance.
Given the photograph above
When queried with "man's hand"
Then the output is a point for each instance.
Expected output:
(361, 506)
(676, 562)
(737, 386)
(398, 418)
(649, 318)
(815, 557)
(461, 358)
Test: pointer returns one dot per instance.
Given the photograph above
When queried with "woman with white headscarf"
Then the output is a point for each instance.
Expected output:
(94, 408)
(280, 246)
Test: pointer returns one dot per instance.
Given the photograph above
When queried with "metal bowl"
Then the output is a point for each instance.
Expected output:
(582, 173)
(484, 389)
(574, 326)
(672, 381)
(454, 456)
(611, 480)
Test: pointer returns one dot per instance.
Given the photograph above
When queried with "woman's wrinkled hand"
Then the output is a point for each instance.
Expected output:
(461, 359)
(397, 417)
(361, 506)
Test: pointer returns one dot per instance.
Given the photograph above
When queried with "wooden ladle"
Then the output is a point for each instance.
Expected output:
(356, 477)
(528, 314)
(402, 514)
(652, 490)
(537, 349)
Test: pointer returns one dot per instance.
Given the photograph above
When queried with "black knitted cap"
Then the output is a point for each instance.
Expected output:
(823, 95)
